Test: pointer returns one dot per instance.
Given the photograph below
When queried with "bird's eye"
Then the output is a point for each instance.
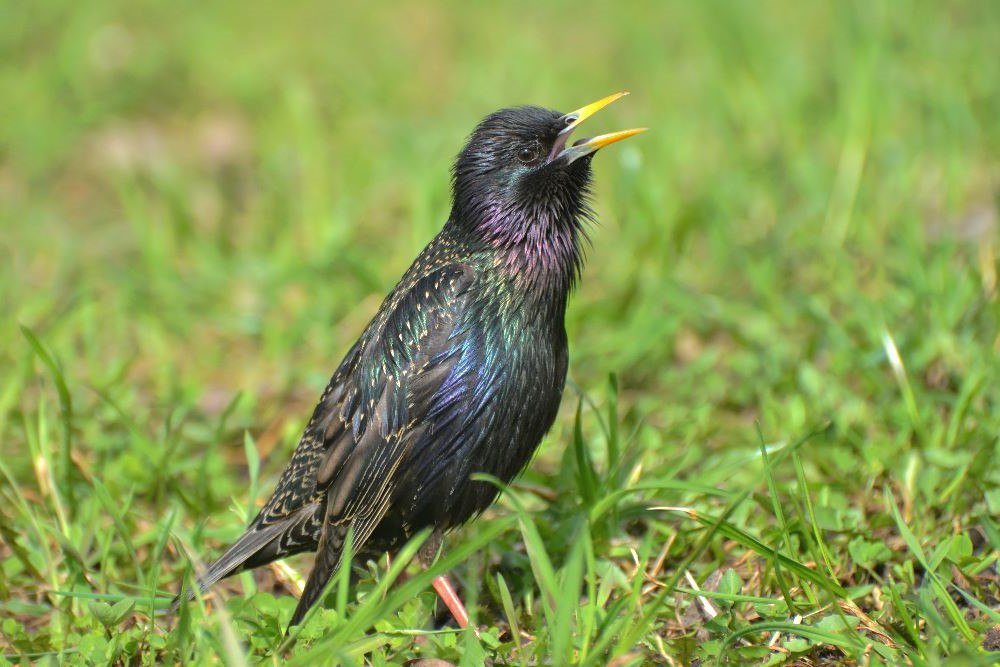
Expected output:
(527, 154)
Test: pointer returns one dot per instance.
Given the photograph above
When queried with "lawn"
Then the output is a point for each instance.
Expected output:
(780, 438)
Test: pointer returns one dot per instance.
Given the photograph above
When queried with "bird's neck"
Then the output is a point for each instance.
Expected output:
(539, 254)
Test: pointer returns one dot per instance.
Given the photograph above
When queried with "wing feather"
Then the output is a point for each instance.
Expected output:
(397, 380)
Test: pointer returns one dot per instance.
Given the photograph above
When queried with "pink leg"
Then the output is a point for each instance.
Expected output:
(450, 598)
(442, 585)
(444, 589)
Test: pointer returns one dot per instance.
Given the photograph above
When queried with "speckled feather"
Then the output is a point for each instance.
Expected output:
(460, 371)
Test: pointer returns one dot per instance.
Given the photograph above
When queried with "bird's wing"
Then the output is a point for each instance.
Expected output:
(342, 468)
(392, 394)
(412, 352)
(396, 383)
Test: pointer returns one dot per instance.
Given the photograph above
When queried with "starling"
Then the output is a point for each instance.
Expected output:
(460, 371)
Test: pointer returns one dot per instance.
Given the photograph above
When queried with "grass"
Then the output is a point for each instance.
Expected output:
(793, 291)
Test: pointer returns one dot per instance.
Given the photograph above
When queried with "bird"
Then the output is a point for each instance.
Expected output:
(460, 371)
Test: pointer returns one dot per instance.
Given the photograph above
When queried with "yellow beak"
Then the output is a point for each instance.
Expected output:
(602, 140)
(574, 118)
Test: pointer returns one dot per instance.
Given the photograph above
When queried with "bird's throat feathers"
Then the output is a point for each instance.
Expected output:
(539, 248)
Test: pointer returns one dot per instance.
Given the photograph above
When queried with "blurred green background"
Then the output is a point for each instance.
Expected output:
(201, 205)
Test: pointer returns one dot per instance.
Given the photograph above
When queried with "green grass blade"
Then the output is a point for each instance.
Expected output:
(65, 414)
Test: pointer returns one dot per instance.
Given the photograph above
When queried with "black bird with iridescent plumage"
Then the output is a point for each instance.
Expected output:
(460, 371)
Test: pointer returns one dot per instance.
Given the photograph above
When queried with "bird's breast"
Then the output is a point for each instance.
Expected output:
(516, 372)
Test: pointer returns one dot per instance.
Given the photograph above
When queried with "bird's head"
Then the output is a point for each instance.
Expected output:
(519, 180)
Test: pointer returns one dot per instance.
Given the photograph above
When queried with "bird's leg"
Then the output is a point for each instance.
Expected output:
(442, 585)
(451, 600)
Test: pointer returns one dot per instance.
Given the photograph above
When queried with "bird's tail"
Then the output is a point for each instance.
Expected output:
(258, 546)
(232, 560)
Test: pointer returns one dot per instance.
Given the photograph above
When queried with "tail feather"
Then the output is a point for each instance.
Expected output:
(231, 560)
(259, 546)
(239, 552)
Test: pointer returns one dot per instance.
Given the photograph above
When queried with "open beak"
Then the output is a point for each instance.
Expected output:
(587, 146)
